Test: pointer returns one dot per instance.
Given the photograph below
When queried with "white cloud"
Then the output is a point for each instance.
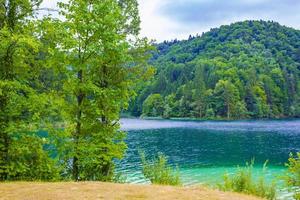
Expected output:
(49, 4)
(196, 16)
(153, 25)
(170, 19)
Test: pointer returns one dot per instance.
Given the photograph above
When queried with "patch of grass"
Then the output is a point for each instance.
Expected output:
(158, 171)
(243, 182)
(292, 177)
(119, 178)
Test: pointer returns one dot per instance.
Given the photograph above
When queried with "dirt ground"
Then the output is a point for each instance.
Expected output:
(99, 190)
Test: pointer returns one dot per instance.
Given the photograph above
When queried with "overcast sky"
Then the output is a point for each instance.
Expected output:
(169, 19)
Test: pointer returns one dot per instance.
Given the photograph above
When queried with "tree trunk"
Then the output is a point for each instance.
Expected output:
(228, 111)
(4, 139)
(200, 113)
(4, 146)
(77, 134)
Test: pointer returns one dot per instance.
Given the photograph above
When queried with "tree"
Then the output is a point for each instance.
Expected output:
(103, 56)
(153, 106)
(209, 113)
(23, 105)
(200, 94)
(185, 101)
(227, 96)
(63, 85)
(240, 110)
(261, 108)
(274, 95)
(167, 111)
(169, 106)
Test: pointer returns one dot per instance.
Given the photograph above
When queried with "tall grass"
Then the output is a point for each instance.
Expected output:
(244, 182)
(158, 171)
(292, 176)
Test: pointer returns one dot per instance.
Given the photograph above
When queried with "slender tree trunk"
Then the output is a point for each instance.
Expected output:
(78, 130)
(4, 146)
(105, 168)
(228, 111)
(200, 111)
(4, 121)
(104, 84)
(4, 139)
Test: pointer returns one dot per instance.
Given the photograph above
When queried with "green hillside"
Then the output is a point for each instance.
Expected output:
(247, 69)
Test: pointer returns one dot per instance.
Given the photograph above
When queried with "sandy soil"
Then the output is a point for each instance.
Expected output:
(99, 190)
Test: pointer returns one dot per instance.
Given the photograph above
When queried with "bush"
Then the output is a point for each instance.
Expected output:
(119, 178)
(210, 113)
(243, 182)
(158, 171)
(292, 178)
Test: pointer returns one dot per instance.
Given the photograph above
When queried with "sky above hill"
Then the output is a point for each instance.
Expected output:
(170, 19)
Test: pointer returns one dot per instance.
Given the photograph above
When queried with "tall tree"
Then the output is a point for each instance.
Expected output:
(200, 95)
(22, 106)
(153, 105)
(103, 55)
(227, 95)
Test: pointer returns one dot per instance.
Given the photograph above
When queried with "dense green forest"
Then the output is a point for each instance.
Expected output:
(247, 69)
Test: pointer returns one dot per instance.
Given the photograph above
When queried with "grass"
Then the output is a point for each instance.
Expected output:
(99, 190)
(292, 176)
(243, 182)
(158, 171)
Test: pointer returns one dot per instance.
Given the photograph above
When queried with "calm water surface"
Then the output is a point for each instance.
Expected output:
(204, 151)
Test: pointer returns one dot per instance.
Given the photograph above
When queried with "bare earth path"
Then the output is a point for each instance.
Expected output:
(99, 190)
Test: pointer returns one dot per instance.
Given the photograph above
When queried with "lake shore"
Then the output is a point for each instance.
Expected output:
(216, 119)
(100, 190)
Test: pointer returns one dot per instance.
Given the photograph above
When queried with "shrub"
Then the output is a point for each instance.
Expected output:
(119, 178)
(243, 182)
(292, 177)
(158, 171)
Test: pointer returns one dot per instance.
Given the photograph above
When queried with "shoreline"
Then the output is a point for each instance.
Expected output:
(208, 120)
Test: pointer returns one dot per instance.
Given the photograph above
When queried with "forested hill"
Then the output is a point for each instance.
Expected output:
(247, 69)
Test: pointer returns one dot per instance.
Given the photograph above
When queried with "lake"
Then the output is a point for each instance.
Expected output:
(205, 150)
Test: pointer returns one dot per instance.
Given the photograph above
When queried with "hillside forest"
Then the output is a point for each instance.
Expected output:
(244, 70)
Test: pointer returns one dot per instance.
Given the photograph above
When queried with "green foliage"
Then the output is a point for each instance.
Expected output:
(227, 95)
(25, 108)
(209, 113)
(292, 178)
(153, 105)
(103, 61)
(63, 84)
(239, 71)
(243, 181)
(119, 178)
(29, 161)
(158, 171)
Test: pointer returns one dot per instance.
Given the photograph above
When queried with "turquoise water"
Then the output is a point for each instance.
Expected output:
(205, 150)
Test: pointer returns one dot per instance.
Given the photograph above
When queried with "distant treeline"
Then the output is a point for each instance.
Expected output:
(247, 69)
